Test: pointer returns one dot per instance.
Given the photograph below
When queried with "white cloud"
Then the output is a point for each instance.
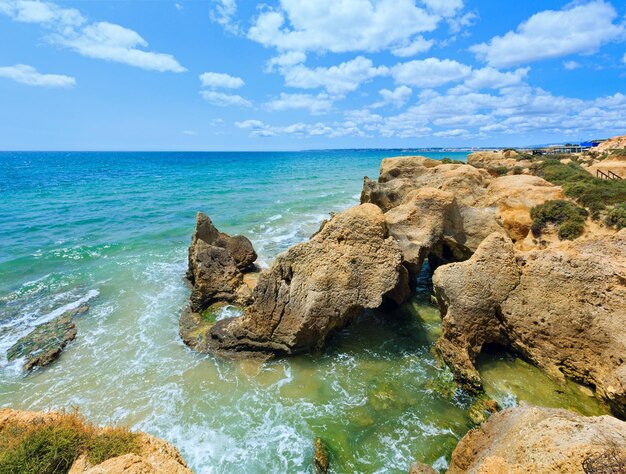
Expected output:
(455, 133)
(343, 25)
(101, 40)
(314, 104)
(397, 97)
(464, 21)
(218, 79)
(417, 45)
(490, 78)
(28, 75)
(571, 65)
(340, 79)
(444, 8)
(180, 8)
(225, 100)
(548, 34)
(224, 13)
(290, 58)
(431, 72)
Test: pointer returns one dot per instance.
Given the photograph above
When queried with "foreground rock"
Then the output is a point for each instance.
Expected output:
(45, 343)
(562, 308)
(143, 453)
(542, 440)
(217, 263)
(444, 211)
(318, 286)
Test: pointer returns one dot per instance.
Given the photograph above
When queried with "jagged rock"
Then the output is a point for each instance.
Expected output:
(216, 265)
(529, 439)
(44, 344)
(493, 159)
(399, 176)
(318, 286)
(562, 308)
(418, 224)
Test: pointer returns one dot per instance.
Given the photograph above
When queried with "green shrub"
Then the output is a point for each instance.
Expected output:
(51, 444)
(616, 217)
(518, 170)
(447, 161)
(593, 193)
(569, 218)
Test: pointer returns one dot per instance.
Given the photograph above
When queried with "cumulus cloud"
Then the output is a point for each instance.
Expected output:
(25, 74)
(490, 78)
(417, 45)
(223, 13)
(288, 59)
(341, 26)
(220, 80)
(577, 29)
(396, 97)
(315, 104)
(431, 72)
(101, 40)
(225, 100)
(571, 65)
(446, 8)
(340, 79)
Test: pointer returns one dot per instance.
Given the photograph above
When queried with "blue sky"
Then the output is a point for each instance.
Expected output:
(291, 74)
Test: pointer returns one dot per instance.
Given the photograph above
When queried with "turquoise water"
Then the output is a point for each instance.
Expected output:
(112, 229)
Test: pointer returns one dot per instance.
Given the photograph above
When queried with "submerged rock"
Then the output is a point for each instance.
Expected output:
(320, 457)
(421, 468)
(45, 343)
(562, 308)
(217, 262)
(318, 286)
(531, 439)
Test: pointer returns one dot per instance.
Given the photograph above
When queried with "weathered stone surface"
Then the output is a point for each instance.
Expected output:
(318, 286)
(529, 439)
(44, 344)
(493, 159)
(216, 265)
(480, 205)
(320, 457)
(419, 223)
(562, 308)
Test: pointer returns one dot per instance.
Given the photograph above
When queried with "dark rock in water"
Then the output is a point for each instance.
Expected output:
(321, 457)
(45, 343)
(318, 286)
(421, 468)
(216, 265)
(482, 409)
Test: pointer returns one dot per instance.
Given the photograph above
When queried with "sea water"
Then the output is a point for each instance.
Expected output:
(112, 230)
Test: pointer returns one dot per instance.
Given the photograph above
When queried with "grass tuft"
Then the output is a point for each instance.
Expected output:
(52, 444)
(569, 218)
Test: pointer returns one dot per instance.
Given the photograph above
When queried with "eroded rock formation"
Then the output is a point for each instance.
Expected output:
(562, 308)
(543, 440)
(318, 286)
(444, 211)
(217, 263)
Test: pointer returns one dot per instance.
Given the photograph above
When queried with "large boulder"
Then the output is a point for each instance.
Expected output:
(217, 263)
(318, 286)
(562, 308)
(493, 158)
(530, 439)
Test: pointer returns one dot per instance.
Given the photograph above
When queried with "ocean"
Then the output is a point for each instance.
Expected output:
(112, 230)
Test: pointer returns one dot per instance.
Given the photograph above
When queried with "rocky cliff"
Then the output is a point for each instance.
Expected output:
(562, 308)
(542, 440)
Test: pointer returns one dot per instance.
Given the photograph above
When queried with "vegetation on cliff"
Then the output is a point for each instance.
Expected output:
(52, 444)
(566, 216)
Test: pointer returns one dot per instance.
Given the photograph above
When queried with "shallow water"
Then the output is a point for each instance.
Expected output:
(113, 229)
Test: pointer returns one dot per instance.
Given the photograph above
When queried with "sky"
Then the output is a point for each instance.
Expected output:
(314, 74)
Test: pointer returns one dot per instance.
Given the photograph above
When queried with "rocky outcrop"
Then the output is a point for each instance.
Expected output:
(318, 286)
(146, 455)
(44, 344)
(444, 211)
(529, 439)
(217, 263)
(497, 159)
(614, 143)
(421, 468)
(562, 308)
